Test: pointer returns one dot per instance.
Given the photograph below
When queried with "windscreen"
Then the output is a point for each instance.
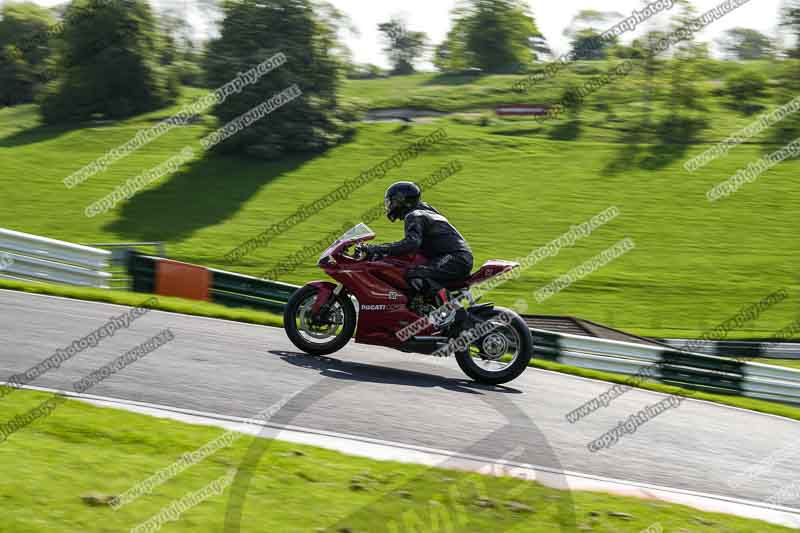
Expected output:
(356, 233)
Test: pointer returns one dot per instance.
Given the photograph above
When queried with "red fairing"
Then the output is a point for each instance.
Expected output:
(326, 289)
(379, 287)
(491, 269)
(381, 290)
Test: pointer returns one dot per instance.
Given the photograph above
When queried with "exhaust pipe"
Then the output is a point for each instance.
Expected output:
(424, 344)
(437, 340)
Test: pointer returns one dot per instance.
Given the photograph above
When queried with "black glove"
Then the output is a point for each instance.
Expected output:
(373, 252)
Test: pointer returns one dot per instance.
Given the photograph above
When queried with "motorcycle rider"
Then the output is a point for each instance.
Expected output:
(429, 232)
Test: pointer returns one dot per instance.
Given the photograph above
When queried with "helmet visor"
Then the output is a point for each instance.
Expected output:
(387, 205)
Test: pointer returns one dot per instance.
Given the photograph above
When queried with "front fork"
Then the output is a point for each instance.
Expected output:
(321, 306)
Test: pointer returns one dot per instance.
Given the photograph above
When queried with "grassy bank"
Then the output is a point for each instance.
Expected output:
(520, 187)
(60, 472)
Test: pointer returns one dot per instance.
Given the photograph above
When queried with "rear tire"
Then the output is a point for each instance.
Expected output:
(296, 316)
(522, 335)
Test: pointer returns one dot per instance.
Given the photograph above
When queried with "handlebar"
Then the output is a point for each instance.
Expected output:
(358, 253)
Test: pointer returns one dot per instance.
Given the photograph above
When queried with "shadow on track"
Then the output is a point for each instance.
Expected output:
(518, 440)
(346, 370)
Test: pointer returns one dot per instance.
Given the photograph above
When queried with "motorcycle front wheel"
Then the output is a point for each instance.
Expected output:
(502, 350)
(319, 337)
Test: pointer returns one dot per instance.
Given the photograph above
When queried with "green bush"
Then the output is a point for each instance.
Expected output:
(189, 73)
(787, 129)
(110, 64)
(490, 35)
(251, 33)
(17, 77)
(746, 84)
(25, 50)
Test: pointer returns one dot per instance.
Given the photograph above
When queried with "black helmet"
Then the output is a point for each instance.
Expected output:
(400, 198)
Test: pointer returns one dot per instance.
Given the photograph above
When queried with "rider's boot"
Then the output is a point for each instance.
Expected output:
(442, 297)
(445, 311)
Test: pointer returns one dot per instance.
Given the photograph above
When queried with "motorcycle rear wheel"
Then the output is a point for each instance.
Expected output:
(502, 354)
(318, 338)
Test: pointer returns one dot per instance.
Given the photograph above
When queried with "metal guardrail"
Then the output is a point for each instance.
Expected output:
(767, 350)
(674, 367)
(32, 258)
(120, 251)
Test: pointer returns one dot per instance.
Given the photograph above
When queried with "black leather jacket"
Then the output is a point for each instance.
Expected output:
(429, 232)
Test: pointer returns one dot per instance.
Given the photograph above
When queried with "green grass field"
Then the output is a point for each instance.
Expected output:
(695, 264)
(60, 471)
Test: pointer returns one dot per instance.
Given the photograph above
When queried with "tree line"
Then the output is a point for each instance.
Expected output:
(110, 59)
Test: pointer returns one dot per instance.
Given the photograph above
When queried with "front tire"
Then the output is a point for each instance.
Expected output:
(318, 338)
(503, 353)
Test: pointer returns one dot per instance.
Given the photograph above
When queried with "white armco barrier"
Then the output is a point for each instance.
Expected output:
(30, 257)
(661, 363)
(783, 349)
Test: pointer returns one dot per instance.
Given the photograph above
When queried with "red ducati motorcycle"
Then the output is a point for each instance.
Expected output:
(372, 300)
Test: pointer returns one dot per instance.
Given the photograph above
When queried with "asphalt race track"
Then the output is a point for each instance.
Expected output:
(239, 369)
